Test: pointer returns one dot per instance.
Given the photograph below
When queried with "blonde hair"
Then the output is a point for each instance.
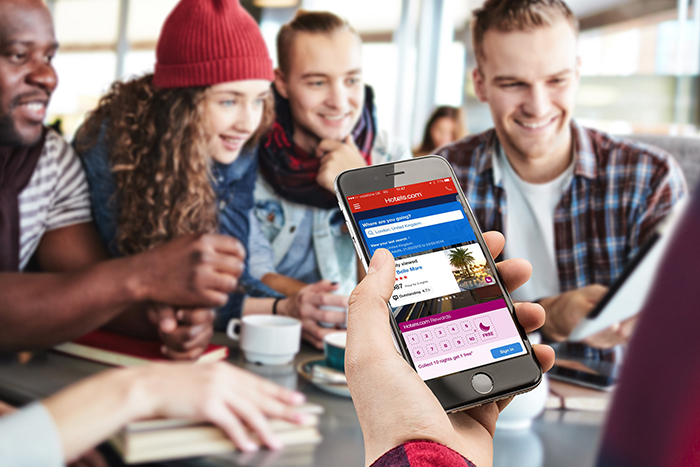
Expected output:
(314, 22)
(517, 15)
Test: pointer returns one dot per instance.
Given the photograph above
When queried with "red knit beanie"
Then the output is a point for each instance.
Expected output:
(206, 42)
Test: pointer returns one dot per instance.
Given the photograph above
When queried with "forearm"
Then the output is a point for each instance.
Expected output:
(282, 284)
(82, 426)
(40, 310)
(258, 306)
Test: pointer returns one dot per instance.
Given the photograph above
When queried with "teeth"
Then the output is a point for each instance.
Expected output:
(35, 106)
(330, 117)
(230, 139)
(535, 125)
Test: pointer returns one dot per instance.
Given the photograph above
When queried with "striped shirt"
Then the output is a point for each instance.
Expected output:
(56, 196)
(619, 192)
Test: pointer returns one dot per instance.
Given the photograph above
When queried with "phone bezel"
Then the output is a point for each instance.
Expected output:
(515, 375)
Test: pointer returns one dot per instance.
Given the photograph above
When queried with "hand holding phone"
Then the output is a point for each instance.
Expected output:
(450, 313)
(393, 403)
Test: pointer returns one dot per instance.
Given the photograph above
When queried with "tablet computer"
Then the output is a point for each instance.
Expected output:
(627, 295)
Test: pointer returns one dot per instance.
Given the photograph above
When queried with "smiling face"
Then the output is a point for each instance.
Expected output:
(530, 79)
(324, 86)
(27, 78)
(232, 114)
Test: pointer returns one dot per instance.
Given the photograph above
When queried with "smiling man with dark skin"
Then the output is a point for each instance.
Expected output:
(577, 203)
(45, 215)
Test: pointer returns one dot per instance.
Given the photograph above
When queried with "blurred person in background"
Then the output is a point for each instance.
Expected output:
(577, 203)
(325, 123)
(175, 153)
(445, 125)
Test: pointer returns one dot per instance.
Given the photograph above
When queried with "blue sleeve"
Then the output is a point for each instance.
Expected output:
(102, 192)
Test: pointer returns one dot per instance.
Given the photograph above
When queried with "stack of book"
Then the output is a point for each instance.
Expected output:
(160, 440)
(120, 350)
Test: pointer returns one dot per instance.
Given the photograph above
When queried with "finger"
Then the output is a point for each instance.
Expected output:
(322, 286)
(225, 264)
(225, 282)
(514, 272)
(325, 299)
(326, 146)
(287, 396)
(309, 333)
(194, 317)
(166, 318)
(349, 140)
(495, 241)
(199, 336)
(545, 355)
(186, 338)
(368, 312)
(531, 316)
(233, 427)
(251, 415)
(227, 245)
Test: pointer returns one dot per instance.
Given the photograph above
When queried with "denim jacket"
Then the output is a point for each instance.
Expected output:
(277, 219)
(233, 185)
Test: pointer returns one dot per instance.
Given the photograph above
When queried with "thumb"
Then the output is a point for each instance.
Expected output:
(368, 319)
(350, 140)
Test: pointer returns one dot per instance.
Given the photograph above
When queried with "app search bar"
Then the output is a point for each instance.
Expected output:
(411, 224)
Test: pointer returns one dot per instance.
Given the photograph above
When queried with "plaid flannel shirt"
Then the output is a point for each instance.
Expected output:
(619, 192)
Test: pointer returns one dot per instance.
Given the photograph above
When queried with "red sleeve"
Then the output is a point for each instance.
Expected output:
(422, 454)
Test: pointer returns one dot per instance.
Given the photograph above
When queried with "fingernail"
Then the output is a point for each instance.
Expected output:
(275, 443)
(180, 314)
(250, 446)
(194, 330)
(163, 350)
(378, 260)
(297, 398)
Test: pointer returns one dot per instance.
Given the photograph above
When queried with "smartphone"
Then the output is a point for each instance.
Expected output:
(451, 316)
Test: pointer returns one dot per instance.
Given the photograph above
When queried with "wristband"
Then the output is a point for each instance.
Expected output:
(274, 305)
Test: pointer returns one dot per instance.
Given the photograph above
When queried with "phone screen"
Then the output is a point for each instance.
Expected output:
(446, 301)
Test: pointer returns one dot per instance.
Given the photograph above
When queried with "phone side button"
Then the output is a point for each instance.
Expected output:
(482, 383)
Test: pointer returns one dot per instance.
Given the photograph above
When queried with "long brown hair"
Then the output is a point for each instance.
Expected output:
(159, 155)
(444, 111)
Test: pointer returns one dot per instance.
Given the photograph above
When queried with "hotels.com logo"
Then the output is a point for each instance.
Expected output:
(398, 199)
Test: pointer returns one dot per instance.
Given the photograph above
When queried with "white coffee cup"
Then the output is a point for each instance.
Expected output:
(523, 409)
(266, 339)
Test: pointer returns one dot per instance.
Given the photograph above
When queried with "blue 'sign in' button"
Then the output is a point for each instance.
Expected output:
(499, 352)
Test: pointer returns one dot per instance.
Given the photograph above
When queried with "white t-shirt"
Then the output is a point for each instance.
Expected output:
(529, 226)
(56, 196)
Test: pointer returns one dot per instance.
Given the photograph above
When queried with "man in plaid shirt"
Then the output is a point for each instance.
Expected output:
(575, 202)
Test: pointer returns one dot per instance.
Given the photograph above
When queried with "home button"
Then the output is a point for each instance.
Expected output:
(482, 383)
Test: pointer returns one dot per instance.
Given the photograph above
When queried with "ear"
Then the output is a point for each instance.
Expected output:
(281, 83)
(479, 84)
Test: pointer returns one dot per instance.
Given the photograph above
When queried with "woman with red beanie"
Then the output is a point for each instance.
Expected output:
(174, 153)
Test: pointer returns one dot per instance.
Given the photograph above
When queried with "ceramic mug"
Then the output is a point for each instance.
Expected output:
(524, 408)
(266, 339)
(334, 350)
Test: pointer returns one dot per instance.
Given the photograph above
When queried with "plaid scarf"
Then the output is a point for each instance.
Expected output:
(291, 171)
(17, 165)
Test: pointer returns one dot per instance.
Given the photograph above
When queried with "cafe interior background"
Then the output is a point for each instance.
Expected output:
(417, 54)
